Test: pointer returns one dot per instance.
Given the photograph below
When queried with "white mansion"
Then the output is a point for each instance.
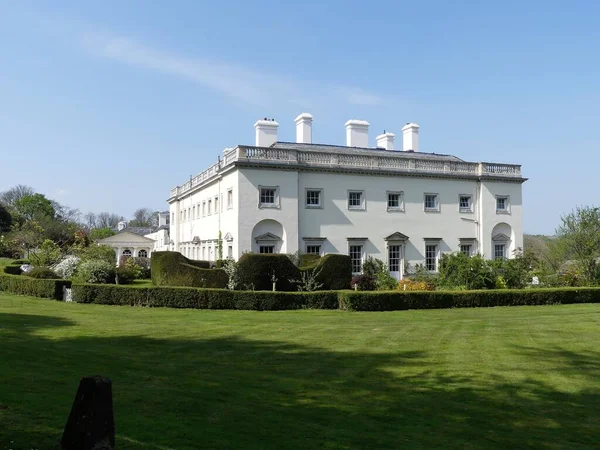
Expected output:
(404, 207)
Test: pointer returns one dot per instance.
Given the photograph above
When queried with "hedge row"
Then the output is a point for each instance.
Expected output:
(12, 270)
(174, 269)
(395, 301)
(181, 297)
(18, 284)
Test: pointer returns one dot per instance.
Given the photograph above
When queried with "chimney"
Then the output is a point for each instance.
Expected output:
(121, 225)
(357, 133)
(266, 132)
(163, 218)
(410, 137)
(304, 128)
(385, 141)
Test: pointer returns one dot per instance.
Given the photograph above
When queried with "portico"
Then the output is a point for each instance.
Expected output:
(129, 244)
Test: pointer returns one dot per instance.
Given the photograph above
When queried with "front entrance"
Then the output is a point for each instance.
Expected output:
(394, 260)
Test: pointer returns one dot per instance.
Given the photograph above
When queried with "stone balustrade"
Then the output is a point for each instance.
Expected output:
(351, 160)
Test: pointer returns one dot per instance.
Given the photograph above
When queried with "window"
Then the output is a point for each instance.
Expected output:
(313, 198)
(395, 201)
(313, 249)
(126, 252)
(216, 205)
(499, 251)
(203, 209)
(465, 203)
(356, 200)
(230, 251)
(143, 254)
(431, 257)
(502, 204)
(268, 249)
(209, 207)
(466, 249)
(269, 197)
(229, 198)
(394, 258)
(355, 253)
(194, 212)
(189, 213)
(431, 202)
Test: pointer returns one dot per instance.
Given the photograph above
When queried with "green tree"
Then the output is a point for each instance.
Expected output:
(5, 219)
(580, 232)
(47, 254)
(100, 233)
(32, 207)
(26, 236)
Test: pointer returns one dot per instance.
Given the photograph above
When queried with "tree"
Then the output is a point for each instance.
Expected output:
(108, 220)
(32, 207)
(144, 217)
(26, 236)
(100, 233)
(90, 220)
(47, 254)
(580, 231)
(8, 198)
(5, 219)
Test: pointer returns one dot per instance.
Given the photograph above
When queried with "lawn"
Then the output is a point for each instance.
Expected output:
(496, 378)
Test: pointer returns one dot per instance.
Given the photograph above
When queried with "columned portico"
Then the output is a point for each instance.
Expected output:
(129, 244)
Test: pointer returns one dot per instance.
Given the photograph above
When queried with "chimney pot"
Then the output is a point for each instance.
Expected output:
(304, 128)
(410, 137)
(357, 133)
(266, 132)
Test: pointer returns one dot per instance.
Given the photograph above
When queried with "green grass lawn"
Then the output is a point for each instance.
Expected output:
(497, 378)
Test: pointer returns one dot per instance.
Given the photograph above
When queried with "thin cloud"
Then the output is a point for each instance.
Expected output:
(232, 80)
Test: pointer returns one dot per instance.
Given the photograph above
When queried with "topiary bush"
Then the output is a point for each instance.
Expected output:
(125, 275)
(13, 270)
(174, 269)
(23, 285)
(335, 271)
(257, 271)
(43, 273)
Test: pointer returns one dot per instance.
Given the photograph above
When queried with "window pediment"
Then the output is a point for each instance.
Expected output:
(267, 237)
(397, 236)
(501, 237)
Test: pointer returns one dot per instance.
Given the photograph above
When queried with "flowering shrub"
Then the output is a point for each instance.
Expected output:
(96, 272)
(67, 267)
(364, 283)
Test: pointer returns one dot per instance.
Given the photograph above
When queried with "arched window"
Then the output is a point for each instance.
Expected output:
(126, 252)
(143, 254)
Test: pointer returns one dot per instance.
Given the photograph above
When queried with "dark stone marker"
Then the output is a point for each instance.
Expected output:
(91, 424)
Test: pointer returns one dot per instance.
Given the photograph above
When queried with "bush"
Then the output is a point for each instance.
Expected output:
(174, 269)
(20, 262)
(257, 271)
(13, 270)
(410, 285)
(307, 260)
(47, 254)
(67, 267)
(335, 272)
(125, 275)
(97, 253)
(95, 271)
(378, 270)
(181, 297)
(31, 286)
(363, 283)
(43, 273)
(392, 301)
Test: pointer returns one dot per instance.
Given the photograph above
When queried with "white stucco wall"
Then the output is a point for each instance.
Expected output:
(334, 221)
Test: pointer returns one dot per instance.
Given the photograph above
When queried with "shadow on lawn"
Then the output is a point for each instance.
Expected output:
(233, 393)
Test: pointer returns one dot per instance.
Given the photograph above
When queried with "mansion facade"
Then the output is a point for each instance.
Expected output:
(404, 207)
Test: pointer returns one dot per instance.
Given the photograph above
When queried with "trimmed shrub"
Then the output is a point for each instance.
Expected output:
(256, 272)
(394, 300)
(22, 285)
(67, 267)
(364, 283)
(13, 270)
(125, 275)
(335, 272)
(410, 285)
(307, 260)
(174, 269)
(181, 297)
(43, 273)
(95, 271)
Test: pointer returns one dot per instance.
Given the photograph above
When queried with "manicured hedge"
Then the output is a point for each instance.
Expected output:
(335, 271)
(256, 270)
(393, 300)
(12, 270)
(180, 297)
(174, 269)
(19, 284)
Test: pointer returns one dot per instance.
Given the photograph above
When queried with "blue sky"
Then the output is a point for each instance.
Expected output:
(105, 106)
